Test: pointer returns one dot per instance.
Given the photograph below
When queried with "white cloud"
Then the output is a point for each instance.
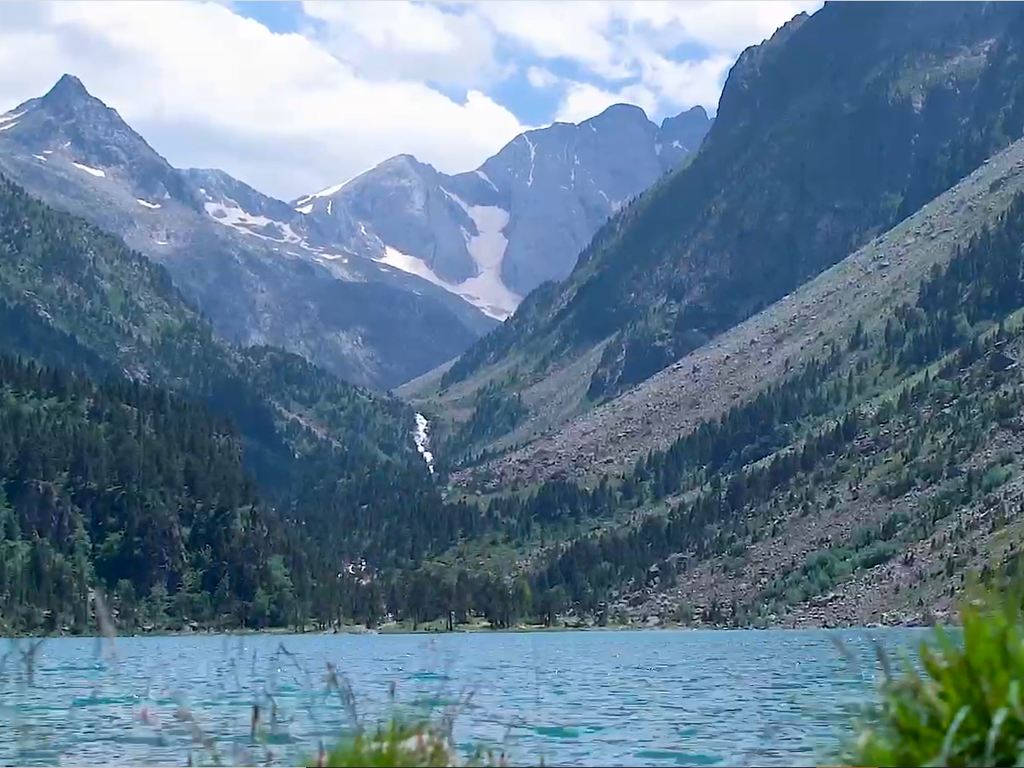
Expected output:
(386, 39)
(541, 78)
(633, 41)
(291, 113)
(207, 86)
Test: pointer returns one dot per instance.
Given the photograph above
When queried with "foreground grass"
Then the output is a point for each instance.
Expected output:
(403, 744)
(964, 706)
(395, 744)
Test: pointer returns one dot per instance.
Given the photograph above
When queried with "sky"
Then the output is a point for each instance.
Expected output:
(292, 97)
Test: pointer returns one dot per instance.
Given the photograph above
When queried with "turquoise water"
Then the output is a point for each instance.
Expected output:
(657, 698)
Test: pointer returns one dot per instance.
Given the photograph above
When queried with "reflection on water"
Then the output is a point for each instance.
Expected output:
(658, 698)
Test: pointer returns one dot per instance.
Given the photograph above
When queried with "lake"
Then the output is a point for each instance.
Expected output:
(651, 698)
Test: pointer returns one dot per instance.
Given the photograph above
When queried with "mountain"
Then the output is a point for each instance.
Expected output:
(829, 133)
(256, 278)
(133, 420)
(880, 465)
(493, 234)
(843, 458)
(379, 280)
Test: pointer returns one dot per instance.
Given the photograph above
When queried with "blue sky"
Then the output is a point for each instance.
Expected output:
(276, 15)
(295, 96)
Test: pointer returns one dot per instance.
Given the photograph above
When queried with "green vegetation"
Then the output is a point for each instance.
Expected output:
(894, 412)
(401, 742)
(393, 744)
(964, 706)
(276, 495)
(134, 490)
(352, 528)
(495, 413)
(143, 437)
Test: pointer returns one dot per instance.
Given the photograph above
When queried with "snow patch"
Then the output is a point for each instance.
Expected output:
(7, 126)
(160, 242)
(330, 207)
(410, 264)
(322, 193)
(486, 178)
(485, 290)
(147, 204)
(91, 171)
(533, 155)
(47, 151)
(231, 215)
(657, 148)
(308, 208)
(39, 157)
(9, 117)
(331, 190)
(422, 439)
(487, 249)
(676, 144)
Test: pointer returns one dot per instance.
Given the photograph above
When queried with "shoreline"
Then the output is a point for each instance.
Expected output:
(468, 629)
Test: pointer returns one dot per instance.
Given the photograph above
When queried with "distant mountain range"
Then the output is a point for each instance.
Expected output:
(494, 234)
(379, 279)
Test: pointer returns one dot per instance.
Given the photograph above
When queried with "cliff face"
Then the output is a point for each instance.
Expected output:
(494, 234)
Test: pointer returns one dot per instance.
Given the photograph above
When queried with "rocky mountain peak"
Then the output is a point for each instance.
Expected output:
(494, 233)
(402, 169)
(69, 90)
(403, 161)
(688, 128)
(217, 188)
(69, 126)
(620, 113)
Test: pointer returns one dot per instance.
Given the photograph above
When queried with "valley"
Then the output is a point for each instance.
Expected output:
(761, 370)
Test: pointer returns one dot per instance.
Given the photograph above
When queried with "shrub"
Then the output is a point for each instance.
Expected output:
(965, 706)
(395, 744)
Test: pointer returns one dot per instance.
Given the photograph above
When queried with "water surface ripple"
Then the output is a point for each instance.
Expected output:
(656, 698)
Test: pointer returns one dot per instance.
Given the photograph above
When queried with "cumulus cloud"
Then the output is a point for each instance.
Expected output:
(408, 40)
(630, 49)
(362, 80)
(209, 87)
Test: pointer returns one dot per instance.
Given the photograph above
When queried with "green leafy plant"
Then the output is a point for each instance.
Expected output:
(393, 744)
(964, 706)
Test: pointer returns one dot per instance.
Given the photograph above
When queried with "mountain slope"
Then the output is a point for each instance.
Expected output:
(79, 298)
(322, 454)
(753, 355)
(258, 281)
(329, 478)
(802, 165)
(137, 492)
(860, 457)
(493, 234)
